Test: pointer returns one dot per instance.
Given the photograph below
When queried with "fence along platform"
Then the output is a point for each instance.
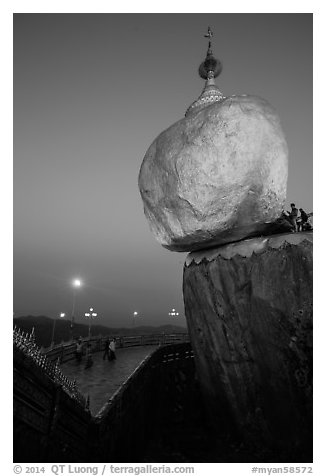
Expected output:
(66, 350)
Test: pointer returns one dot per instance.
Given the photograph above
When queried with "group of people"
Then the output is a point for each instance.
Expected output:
(109, 351)
(299, 223)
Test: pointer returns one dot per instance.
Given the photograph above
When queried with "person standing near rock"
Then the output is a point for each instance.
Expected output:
(79, 350)
(89, 358)
(293, 215)
(304, 220)
(106, 350)
(112, 347)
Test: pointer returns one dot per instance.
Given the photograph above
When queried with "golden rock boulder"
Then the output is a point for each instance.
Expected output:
(216, 176)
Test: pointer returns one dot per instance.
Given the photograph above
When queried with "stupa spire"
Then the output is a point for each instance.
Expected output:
(209, 69)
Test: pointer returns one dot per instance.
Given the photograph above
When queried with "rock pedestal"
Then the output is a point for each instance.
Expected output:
(249, 312)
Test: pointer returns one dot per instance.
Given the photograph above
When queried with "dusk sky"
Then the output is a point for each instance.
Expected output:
(91, 93)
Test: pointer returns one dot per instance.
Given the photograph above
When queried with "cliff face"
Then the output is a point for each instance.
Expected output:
(249, 313)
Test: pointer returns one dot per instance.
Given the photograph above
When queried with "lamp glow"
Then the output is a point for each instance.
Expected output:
(135, 314)
(90, 315)
(173, 313)
(62, 314)
(76, 283)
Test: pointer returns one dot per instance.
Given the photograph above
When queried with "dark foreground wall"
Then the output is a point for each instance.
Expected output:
(249, 312)
(51, 426)
(48, 425)
(158, 392)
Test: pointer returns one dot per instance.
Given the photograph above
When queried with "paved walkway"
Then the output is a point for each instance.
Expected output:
(103, 379)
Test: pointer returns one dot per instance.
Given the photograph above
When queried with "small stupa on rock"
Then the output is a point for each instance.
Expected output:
(218, 175)
(209, 69)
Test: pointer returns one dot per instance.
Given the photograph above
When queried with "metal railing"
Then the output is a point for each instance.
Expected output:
(66, 350)
(25, 343)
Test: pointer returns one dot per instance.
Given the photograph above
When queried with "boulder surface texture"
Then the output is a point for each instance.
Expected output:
(216, 176)
(249, 315)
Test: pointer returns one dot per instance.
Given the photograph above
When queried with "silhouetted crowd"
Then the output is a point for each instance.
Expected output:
(298, 222)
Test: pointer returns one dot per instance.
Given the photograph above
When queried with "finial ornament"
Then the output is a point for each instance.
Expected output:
(209, 35)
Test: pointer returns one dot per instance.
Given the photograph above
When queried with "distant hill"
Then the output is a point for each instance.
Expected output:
(43, 329)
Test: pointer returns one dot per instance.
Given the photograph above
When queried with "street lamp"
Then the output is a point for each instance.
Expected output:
(173, 313)
(75, 284)
(62, 314)
(90, 315)
(135, 314)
